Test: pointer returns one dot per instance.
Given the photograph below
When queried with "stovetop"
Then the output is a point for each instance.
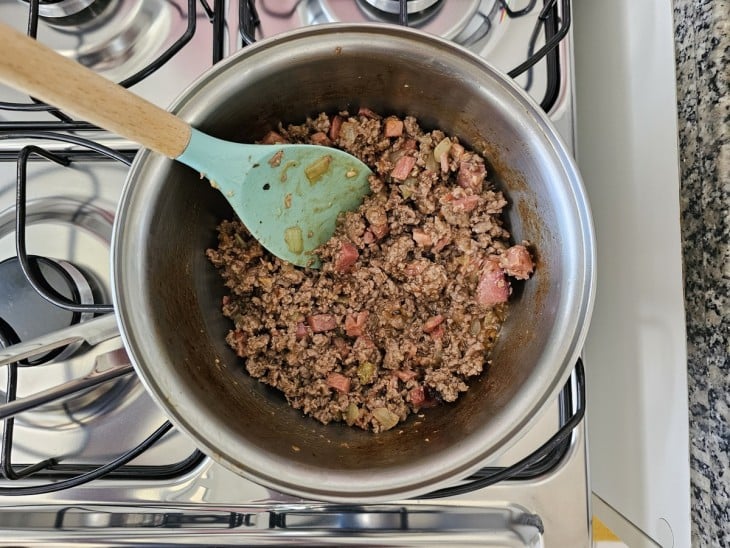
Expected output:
(158, 47)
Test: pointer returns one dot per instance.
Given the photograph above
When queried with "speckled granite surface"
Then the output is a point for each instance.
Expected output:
(703, 60)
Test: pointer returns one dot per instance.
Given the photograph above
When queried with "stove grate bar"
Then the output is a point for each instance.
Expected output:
(41, 286)
(556, 447)
(87, 476)
(517, 13)
(552, 41)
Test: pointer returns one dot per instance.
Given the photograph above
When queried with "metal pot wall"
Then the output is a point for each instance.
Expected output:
(168, 295)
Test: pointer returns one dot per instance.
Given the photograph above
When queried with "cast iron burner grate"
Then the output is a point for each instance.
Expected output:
(95, 10)
(61, 295)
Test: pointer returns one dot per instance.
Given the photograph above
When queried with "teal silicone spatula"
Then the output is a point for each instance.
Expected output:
(288, 196)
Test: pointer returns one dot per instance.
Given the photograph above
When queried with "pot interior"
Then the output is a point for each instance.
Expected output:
(170, 295)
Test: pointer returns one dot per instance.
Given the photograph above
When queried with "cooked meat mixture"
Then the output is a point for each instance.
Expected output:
(412, 289)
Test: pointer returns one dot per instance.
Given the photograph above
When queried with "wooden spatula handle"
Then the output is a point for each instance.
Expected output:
(35, 69)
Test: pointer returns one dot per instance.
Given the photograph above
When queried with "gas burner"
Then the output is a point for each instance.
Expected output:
(419, 11)
(73, 12)
(26, 315)
(78, 231)
(428, 15)
(83, 427)
(113, 37)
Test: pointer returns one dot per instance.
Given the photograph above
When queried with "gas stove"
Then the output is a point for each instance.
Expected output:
(87, 457)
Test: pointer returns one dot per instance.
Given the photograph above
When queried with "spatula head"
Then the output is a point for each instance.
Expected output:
(288, 196)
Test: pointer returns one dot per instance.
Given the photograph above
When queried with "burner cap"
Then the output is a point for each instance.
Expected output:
(419, 11)
(393, 6)
(428, 15)
(27, 315)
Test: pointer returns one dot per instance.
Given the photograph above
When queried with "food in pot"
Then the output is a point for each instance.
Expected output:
(412, 289)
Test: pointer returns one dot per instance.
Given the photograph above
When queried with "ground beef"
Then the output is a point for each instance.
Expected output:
(412, 289)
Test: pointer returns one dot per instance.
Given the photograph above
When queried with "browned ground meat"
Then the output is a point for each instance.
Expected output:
(411, 293)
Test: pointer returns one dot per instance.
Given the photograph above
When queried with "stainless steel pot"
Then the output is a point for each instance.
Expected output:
(168, 296)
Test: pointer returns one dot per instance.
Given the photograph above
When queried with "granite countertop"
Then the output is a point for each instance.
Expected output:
(702, 30)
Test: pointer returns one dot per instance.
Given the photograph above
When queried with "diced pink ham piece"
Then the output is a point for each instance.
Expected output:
(368, 237)
(456, 151)
(355, 323)
(409, 144)
(421, 237)
(393, 382)
(319, 138)
(226, 299)
(415, 268)
(240, 338)
(467, 203)
(320, 323)
(417, 395)
(301, 331)
(346, 256)
(444, 163)
(379, 231)
(493, 287)
(335, 126)
(403, 167)
(272, 138)
(364, 111)
(342, 347)
(393, 127)
(471, 175)
(432, 323)
(405, 374)
(516, 262)
(363, 342)
(339, 382)
(442, 243)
